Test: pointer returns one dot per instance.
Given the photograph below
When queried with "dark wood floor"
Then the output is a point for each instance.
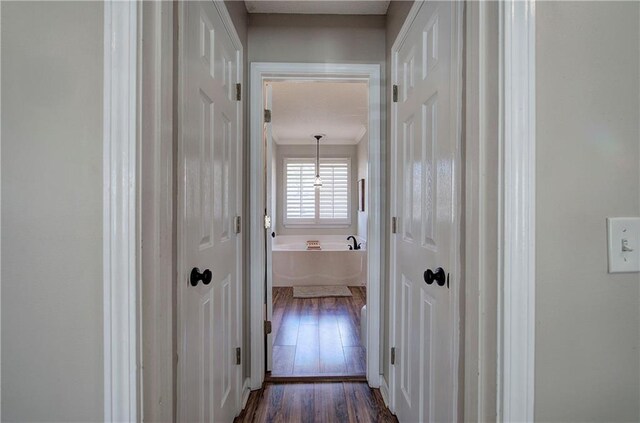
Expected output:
(317, 336)
(316, 402)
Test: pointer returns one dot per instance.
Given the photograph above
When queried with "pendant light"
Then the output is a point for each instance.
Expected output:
(318, 182)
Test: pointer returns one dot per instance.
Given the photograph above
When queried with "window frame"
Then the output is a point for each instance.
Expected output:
(316, 222)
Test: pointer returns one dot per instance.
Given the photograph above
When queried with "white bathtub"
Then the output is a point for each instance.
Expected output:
(334, 264)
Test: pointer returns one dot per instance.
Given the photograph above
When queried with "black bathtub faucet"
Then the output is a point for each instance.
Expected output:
(355, 245)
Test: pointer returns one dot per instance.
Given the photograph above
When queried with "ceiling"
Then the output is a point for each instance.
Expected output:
(300, 110)
(315, 7)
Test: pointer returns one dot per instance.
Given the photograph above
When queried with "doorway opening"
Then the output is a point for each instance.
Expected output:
(315, 250)
(316, 139)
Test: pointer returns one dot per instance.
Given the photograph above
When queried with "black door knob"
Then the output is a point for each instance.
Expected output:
(196, 276)
(438, 276)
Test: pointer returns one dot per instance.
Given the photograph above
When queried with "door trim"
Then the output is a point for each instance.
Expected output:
(157, 293)
(481, 211)
(120, 219)
(456, 269)
(516, 275)
(265, 71)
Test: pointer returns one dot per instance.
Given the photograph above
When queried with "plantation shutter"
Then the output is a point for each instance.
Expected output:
(334, 194)
(306, 205)
(300, 193)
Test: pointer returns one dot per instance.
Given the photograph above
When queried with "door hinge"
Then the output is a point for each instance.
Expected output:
(267, 222)
(394, 225)
(267, 327)
(238, 356)
(393, 355)
(267, 116)
(237, 224)
(395, 93)
(238, 92)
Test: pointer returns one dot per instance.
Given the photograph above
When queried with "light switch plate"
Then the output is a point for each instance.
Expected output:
(623, 241)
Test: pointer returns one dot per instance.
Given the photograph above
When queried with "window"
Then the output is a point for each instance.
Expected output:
(305, 205)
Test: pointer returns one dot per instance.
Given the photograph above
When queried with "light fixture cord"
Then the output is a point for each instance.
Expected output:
(317, 157)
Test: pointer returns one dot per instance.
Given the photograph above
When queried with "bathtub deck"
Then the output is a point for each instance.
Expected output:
(317, 336)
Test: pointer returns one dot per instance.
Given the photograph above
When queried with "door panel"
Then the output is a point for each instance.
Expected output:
(209, 378)
(424, 157)
(406, 350)
(426, 365)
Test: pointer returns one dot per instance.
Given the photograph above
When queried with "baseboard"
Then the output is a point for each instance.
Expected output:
(246, 390)
(384, 390)
(315, 379)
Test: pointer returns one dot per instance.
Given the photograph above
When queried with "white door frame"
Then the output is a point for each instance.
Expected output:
(121, 267)
(156, 205)
(481, 210)
(261, 72)
(516, 269)
(516, 216)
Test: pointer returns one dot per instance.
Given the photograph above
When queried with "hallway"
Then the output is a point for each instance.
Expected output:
(316, 402)
(489, 170)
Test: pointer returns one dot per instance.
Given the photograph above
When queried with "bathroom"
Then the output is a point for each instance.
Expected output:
(317, 170)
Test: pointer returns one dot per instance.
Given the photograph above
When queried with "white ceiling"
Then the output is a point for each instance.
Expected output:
(300, 110)
(326, 7)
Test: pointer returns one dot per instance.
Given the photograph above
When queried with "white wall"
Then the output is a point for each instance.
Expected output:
(309, 151)
(52, 348)
(588, 160)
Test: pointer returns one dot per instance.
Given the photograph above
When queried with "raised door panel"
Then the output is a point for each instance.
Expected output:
(405, 354)
(429, 175)
(203, 164)
(426, 411)
(408, 201)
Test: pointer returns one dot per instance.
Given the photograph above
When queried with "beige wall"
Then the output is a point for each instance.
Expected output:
(52, 343)
(309, 151)
(316, 38)
(238, 13)
(587, 321)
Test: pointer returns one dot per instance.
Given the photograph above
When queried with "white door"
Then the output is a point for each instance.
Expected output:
(424, 156)
(269, 168)
(209, 120)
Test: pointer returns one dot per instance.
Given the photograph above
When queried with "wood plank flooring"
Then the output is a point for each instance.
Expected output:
(316, 402)
(317, 336)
